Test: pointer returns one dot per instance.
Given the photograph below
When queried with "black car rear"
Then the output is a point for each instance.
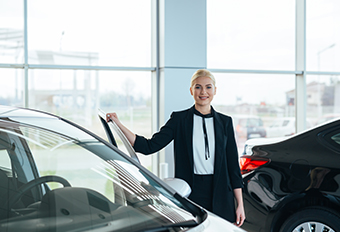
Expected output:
(294, 185)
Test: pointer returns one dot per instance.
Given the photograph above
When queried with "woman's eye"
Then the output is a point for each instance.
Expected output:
(197, 87)
(209, 87)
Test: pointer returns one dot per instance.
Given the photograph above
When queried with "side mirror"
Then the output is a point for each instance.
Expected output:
(179, 185)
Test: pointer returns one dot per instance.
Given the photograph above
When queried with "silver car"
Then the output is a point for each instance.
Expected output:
(57, 176)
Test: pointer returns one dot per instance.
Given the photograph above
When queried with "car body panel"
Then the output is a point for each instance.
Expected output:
(303, 171)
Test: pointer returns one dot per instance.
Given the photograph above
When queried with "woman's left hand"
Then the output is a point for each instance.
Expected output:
(240, 216)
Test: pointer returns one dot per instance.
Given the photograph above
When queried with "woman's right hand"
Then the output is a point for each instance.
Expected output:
(129, 135)
(113, 117)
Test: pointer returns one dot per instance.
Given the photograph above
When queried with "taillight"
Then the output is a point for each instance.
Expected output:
(250, 163)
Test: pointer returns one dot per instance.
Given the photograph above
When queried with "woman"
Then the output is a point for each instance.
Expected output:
(205, 150)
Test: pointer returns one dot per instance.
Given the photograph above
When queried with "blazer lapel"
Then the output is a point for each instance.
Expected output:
(188, 130)
(219, 141)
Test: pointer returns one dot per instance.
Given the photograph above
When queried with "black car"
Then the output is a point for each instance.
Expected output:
(294, 184)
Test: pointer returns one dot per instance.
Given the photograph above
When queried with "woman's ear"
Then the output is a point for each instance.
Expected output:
(191, 91)
(215, 90)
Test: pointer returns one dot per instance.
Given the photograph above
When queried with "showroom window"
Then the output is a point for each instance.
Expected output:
(77, 32)
(323, 57)
(323, 37)
(253, 59)
(80, 56)
(11, 52)
(253, 106)
(260, 55)
(73, 57)
(251, 34)
(11, 31)
(324, 102)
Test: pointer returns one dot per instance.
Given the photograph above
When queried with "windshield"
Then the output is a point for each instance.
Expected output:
(52, 181)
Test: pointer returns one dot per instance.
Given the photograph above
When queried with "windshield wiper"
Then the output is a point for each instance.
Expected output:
(189, 223)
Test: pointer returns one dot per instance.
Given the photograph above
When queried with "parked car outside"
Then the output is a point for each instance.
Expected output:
(58, 176)
(293, 184)
(248, 126)
(327, 117)
(285, 126)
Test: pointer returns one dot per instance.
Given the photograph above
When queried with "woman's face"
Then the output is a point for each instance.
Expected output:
(203, 91)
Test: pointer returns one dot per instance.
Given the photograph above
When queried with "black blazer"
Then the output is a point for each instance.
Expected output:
(227, 175)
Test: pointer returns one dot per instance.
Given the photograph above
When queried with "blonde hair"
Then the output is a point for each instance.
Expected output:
(202, 73)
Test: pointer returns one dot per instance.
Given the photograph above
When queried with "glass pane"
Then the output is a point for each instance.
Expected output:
(11, 31)
(323, 98)
(251, 34)
(78, 94)
(77, 32)
(254, 106)
(336, 138)
(323, 38)
(11, 88)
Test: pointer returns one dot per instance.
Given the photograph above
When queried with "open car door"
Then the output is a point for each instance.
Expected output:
(178, 185)
(111, 124)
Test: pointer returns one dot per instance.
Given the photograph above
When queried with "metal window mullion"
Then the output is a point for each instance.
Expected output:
(300, 65)
(245, 71)
(89, 67)
(155, 79)
(26, 56)
(19, 66)
(322, 73)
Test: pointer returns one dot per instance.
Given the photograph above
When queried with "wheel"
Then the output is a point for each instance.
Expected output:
(14, 198)
(312, 219)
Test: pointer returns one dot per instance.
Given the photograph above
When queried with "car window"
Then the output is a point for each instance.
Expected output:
(336, 138)
(276, 123)
(253, 122)
(331, 138)
(4, 159)
(285, 122)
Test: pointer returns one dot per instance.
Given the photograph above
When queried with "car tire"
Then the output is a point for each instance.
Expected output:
(312, 219)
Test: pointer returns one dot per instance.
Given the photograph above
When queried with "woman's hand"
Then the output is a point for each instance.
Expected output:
(113, 117)
(240, 216)
(131, 137)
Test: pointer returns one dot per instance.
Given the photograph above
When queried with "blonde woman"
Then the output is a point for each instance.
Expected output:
(205, 150)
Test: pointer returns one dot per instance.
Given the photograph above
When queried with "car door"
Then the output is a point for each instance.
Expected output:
(112, 126)
(178, 185)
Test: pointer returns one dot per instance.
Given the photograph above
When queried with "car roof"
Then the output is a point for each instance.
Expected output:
(36, 118)
(11, 111)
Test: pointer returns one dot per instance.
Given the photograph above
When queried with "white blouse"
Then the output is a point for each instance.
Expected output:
(203, 166)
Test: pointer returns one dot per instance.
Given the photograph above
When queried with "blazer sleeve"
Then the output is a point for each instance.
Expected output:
(233, 159)
(158, 140)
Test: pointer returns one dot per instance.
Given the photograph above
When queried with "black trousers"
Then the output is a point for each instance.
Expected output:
(202, 191)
